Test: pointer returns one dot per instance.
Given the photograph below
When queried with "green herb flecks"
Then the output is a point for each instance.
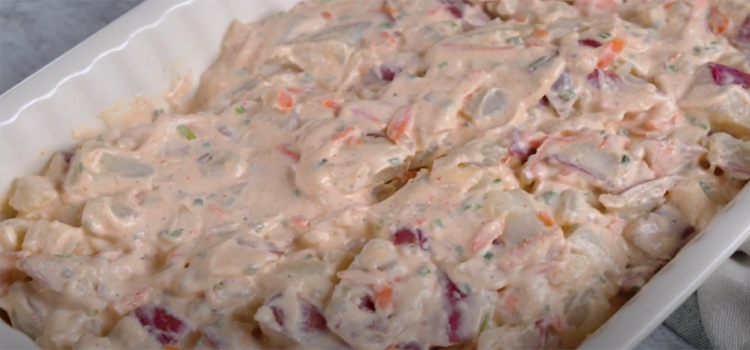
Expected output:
(443, 64)
(605, 35)
(251, 269)
(489, 256)
(423, 271)
(439, 223)
(185, 132)
(516, 40)
(198, 201)
(697, 122)
(241, 110)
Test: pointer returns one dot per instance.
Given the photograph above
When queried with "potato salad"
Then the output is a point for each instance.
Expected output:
(394, 174)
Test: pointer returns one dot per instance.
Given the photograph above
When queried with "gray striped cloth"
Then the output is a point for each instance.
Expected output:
(717, 316)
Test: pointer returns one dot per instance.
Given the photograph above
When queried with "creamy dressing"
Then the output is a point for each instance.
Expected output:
(398, 174)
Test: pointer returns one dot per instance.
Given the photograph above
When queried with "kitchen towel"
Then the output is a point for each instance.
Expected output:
(717, 316)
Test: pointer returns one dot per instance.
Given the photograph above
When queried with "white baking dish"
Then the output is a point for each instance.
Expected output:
(144, 50)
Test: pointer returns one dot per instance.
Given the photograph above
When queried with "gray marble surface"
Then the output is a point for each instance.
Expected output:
(35, 32)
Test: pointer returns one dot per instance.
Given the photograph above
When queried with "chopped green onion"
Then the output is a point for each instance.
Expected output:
(321, 163)
(460, 250)
(219, 285)
(516, 40)
(705, 187)
(451, 24)
(605, 35)
(423, 271)
(566, 95)
(467, 288)
(538, 62)
(547, 308)
(80, 167)
(673, 68)
(206, 145)
(240, 109)
(246, 122)
(228, 201)
(489, 256)
(379, 226)
(485, 323)
(625, 159)
(697, 122)
(601, 279)
(549, 197)
(198, 201)
(175, 233)
(733, 179)
(251, 269)
(443, 64)
(497, 181)
(185, 132)
(386, 25)
(439, 223)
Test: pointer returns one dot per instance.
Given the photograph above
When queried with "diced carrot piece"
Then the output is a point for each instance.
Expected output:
(354, 140)
(401, 123)
(668, 5)
(409, 175)
(541, 33)
(511, 302)
(289, 153)
(327, 15)
(716, 22)
(170, 347)
(217, 210)
(285, 101)
(522, 19)
(546, 219)
(389, 10)
(605, 4)
(384, 297)
(612, 49)
(299, 221)
(388, 36)
(343, 134)
(330, 104)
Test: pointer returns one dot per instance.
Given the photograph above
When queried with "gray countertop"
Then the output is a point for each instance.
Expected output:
(35, 32)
